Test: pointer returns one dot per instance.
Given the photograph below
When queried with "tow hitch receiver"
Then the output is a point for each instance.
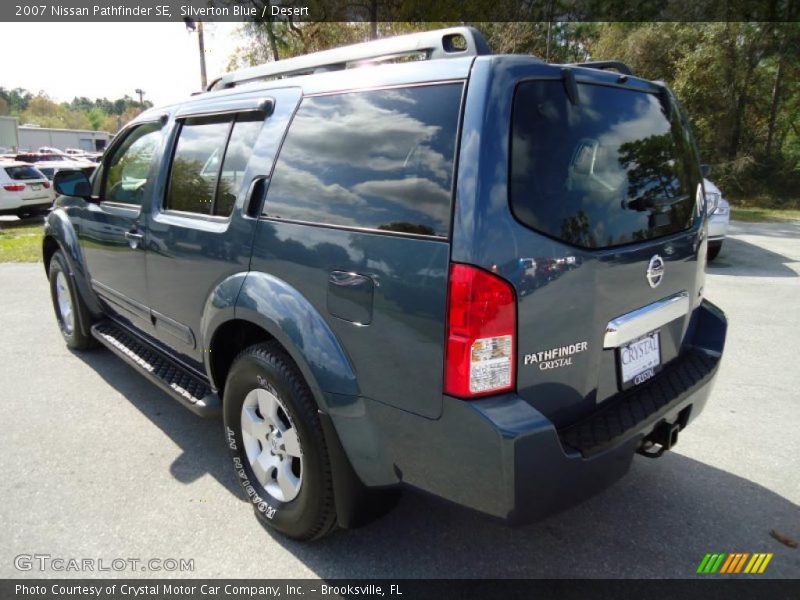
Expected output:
(662, 438)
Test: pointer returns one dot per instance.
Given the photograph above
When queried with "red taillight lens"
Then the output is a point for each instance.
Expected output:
(46, 185)
(14, 187)
(481, 332)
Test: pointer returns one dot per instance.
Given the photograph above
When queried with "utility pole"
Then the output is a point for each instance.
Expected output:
(192, 25)
(141, 93)
(202, 44)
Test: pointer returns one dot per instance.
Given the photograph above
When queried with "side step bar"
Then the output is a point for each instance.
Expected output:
(174, 379)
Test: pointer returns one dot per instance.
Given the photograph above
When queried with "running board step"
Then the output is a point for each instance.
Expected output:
(174, 379)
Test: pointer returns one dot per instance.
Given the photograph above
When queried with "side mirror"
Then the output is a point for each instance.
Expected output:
(705, 170)
(72, 183)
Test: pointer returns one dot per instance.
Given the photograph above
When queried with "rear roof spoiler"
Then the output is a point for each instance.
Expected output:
(606, 65)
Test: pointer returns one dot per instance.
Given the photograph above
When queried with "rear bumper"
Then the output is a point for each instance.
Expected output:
(11, 206)
(501, 456)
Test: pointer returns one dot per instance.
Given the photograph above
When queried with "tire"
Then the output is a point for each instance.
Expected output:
(69, 307)
(714, 249)
(293, 489)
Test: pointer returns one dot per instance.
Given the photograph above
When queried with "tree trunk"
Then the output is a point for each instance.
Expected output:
(373, 19)
(773, 108)
(273, 44)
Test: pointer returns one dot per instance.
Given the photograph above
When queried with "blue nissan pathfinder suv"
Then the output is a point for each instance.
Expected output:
(478, 275)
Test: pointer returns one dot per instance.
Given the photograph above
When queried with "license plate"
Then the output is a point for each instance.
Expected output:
(640, 359)
(35, 186)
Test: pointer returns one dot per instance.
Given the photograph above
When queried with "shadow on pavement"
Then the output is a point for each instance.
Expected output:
(201, 440)
(657, 522)
(742, 258)
(15, 222)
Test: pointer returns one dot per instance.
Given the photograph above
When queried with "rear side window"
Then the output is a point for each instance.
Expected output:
(209, 163)
(610, 170)
(24, 173)
(380, 159)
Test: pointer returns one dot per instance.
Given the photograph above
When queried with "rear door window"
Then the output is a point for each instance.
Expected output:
(610, 170)
(380, 159)
(209, 163)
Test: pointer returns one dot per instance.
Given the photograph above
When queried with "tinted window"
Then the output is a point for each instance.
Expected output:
(609, 170)
(379, 159)
(24, 172)
(237, 155)
(129, 167)
(195, 166)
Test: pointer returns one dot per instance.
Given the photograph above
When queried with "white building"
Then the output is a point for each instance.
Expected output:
(15, 137)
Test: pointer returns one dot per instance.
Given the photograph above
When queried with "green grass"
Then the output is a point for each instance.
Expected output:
(20, 243)
(762, 215)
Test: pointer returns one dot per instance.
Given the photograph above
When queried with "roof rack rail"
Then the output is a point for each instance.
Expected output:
(453, 42)
(606, 65)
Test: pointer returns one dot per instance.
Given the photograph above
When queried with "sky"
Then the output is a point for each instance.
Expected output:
(110, 60)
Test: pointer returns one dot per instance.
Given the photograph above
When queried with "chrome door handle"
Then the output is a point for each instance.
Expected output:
(133, 238)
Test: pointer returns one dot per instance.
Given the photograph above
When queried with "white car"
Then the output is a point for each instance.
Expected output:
(24, 190)
(50, 168)
(719, 219)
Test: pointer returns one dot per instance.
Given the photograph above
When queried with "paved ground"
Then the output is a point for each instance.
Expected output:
(97, 463)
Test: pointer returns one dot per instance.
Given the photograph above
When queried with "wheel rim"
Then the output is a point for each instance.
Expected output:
(272, 445)
(64, 300)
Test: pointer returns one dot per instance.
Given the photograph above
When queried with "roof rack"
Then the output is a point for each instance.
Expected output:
(606, 65)
(453, 42)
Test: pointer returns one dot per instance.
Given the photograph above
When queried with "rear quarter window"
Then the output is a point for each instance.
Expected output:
(380, 159)
(610, 170)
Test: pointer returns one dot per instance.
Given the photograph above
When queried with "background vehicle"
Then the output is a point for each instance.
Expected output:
(24, 190)
(718, 220)
(491, 291)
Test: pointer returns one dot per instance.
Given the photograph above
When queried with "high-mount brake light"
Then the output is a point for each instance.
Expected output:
(481, 333)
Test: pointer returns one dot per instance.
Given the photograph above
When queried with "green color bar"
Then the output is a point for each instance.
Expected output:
(701, 568)
(718, 563)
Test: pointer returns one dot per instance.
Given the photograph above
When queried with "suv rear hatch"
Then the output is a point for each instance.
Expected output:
(28, 182)
(608, 173)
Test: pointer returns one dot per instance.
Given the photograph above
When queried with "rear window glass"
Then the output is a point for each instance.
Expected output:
(609, 170)
(380, 159)
(24, 172)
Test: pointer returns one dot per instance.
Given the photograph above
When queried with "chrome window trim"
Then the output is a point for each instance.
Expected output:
(637, 323)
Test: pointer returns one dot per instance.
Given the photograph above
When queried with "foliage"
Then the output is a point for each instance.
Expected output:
(100, 114)
(737, 81)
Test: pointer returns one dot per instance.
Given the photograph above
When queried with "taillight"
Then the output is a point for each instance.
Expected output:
(481, 330)
(46, 185)
(14, 187)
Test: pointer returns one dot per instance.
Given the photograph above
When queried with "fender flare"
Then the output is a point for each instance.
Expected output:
(287, 316)
(59, 228)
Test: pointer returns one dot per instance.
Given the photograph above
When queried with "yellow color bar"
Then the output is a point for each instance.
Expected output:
(765, 563)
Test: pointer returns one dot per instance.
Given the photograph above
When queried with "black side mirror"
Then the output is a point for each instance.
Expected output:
(72, 183)
(705, 170)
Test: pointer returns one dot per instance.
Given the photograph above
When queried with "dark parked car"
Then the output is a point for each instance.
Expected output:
(342, 266)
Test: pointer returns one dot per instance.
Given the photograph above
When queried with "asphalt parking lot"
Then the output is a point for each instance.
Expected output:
(98, 463)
